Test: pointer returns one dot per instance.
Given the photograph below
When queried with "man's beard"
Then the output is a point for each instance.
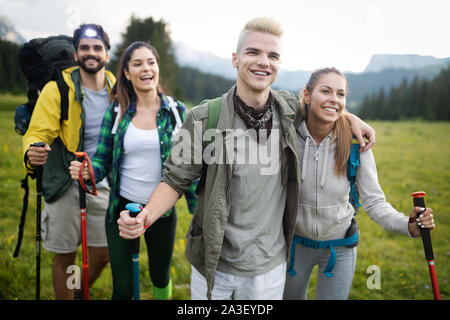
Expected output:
(83, 66)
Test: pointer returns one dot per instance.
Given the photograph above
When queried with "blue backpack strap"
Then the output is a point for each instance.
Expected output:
(352, 166)
(291, 269)
(318, 244)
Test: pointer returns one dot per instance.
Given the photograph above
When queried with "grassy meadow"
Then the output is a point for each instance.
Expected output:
(411, 156)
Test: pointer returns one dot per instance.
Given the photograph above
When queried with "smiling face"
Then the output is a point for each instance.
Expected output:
(143, 70)
(257, 62)
(91, 55)
(327, 99)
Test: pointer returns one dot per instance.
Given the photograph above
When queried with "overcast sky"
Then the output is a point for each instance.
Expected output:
(340, 33)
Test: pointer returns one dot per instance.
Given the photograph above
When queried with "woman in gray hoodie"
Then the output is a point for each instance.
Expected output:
(326, 232)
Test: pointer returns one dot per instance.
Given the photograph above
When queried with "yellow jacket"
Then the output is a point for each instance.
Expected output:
(66, 136)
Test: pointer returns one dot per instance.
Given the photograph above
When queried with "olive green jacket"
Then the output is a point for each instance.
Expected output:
(206, 232)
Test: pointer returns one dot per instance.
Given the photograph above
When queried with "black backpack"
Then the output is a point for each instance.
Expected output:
(41, 61)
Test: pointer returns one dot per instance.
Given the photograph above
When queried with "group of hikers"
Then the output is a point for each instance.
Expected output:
(254, 233)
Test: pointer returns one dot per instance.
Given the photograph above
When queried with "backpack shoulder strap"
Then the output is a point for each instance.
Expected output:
(64, 93)
(352, 166)
(214, 106)
(173, 105)
(115, 118)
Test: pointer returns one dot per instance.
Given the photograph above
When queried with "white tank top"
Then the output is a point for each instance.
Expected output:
(140, 170)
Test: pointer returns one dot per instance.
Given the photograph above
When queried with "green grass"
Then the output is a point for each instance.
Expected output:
(10, 101)
(410, 156)
(17, 275)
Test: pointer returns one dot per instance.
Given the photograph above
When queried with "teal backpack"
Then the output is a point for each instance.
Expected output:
(214, 106)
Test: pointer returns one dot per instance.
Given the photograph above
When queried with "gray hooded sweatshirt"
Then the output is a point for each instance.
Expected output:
(324, 211)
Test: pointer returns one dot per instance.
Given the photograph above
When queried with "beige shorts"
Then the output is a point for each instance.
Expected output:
(61, 220)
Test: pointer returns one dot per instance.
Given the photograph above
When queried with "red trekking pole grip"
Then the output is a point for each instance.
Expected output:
(419, 201)
(84, 159)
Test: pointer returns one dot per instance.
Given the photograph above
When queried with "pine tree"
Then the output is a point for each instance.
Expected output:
(156, 33)
(414, 100)
(11, 77)
(422, 99)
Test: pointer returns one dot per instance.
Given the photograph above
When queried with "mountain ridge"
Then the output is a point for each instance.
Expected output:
(383, 70)
(379, 62)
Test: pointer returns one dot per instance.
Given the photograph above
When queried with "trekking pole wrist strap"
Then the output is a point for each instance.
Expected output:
(86, 161)
(27, 162)
(149, 220)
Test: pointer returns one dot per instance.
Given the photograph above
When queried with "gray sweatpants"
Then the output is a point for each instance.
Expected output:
(328, 288)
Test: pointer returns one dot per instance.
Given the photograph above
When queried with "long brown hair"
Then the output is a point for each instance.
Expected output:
(123, 89)
(341, 132)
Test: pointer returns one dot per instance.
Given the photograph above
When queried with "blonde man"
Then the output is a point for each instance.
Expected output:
(243, 225)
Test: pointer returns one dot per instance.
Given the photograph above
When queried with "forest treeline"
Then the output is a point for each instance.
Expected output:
(419, 99)
(11, 77)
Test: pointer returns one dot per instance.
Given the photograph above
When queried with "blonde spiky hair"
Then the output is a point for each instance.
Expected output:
(260, 24)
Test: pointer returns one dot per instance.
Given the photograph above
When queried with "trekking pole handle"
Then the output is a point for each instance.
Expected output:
(38, 144)
(82, 193)
(419, 201)
(83, 158)
(80, 156)
(38, 169)
(134, 209)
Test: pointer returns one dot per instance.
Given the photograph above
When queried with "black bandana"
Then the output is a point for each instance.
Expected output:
(257, 119)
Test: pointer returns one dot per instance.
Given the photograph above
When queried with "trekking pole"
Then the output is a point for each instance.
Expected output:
(83, 158)
(135, 208)
(419, 201)
(38, 171)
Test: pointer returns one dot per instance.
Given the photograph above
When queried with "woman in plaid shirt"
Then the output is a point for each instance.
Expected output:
(134, 152)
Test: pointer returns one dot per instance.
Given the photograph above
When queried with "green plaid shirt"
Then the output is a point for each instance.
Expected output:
(108, 155)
